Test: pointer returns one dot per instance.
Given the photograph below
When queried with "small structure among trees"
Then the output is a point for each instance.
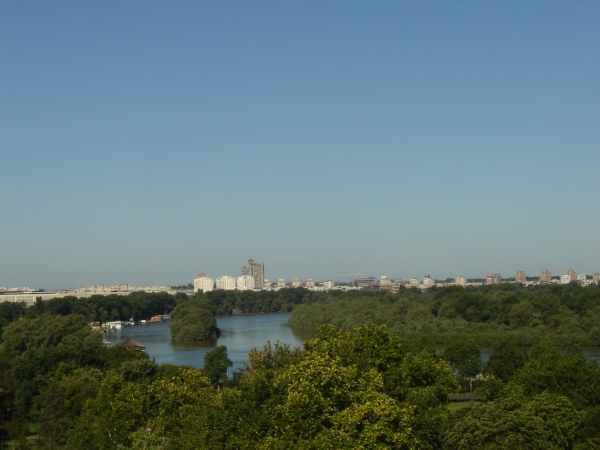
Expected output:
(131, 344)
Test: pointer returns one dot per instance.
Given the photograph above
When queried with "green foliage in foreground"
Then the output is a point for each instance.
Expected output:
(345, 390)
(565, 315)
(365, 388)
(193, 321)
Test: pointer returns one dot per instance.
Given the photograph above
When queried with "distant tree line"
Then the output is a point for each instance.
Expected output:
(563, 314)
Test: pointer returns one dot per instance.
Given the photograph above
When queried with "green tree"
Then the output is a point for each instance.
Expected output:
(464, 357)
(216, 363)
(119, 409)
(505, 359)
(546, 421)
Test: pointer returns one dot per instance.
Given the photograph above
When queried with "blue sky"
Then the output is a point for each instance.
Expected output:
(144, 142)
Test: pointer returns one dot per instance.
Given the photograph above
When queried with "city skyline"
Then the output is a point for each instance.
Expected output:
(144, 142)
(347, 277)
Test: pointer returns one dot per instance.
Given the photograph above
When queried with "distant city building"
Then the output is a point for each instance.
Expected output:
(414, 281)
(296, 283)
(361, 281)
(462, 281)
(581, 277)
(520, 277)
(281, 283)
(96, 287)
(396, 286)
(310, 283)
(386, 284)
(256, 271)
(565, 278)
(493, 278)
(545, 276)
(119, 287)
(245, 283)
(428, 281)
(203, 283)
(227, 283)
(328, 285)
(596, 278)
(572, 274)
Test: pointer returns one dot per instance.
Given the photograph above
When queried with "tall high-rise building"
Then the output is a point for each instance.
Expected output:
(520, 277)
(203, 283)
(596, 278)
(545, 276)
(256, 271)
(572, 274)
(226, 282)
(296, 283)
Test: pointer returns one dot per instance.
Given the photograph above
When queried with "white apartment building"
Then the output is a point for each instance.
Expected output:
(203, 283)
(227, 283)
(296, 283)
(96, 287)
(119, 287)
(565, 278)
(281, 283)
(245, 283)
(428, 281)
(414, 282)
(328, 285)
(462, 281)
(581, 277)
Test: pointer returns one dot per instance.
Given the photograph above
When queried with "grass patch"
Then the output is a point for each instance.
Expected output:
(455, 406)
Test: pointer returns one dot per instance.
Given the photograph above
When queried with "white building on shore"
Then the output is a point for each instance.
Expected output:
(245, 283)
(227, 283)
(203, 283)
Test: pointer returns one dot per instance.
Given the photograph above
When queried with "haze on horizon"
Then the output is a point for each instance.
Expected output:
(145, 142)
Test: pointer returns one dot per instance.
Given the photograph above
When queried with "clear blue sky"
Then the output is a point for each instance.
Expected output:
(144, 142)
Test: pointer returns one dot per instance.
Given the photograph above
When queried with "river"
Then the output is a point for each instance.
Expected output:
(239, 334)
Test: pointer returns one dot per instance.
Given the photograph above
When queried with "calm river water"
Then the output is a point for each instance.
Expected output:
(238, 333)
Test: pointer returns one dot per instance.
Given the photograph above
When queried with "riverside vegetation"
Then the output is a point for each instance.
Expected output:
(194, 321)
(364, 387)
(563, 314)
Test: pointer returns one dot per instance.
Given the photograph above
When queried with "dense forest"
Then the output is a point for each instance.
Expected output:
(563, 314)
(367, 388)
(364, 381)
